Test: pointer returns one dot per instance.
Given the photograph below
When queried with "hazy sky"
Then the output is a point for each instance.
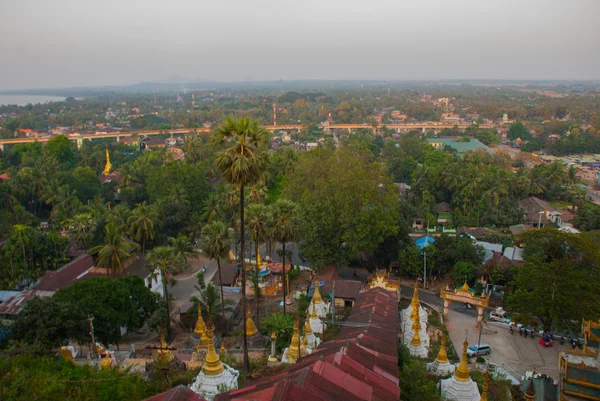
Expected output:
(58, 43)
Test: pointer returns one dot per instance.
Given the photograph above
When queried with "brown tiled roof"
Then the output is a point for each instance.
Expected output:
(361, 363)
(347, 289)
(535, 205)
(228, 273)
(179, 393)
(55, 280)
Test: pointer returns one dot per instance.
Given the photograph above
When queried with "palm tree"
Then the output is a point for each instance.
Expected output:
(210, 301)
(115, 250)
(8, 200)
(242, 160)
(214, 241)
(286, 222)
(282, 325)
(50, 192)
(536, 185)
(82, 227)
(120, 216)
(183, 247)
(142, 224)
(179, 196)
(194, 226)
(257, 230)
(211, 207)
(165, 262)
(555, 174)
(571, 176)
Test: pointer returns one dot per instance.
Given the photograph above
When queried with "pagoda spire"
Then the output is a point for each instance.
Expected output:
(307, 328)
(313, 314)
(462, 372)
(250, 326)
(486, 386)
(163, 355)
(442, 357)
(212, 364)
(317, 294)
(108, 166)
(415, 302)
(200, 329)
(416, 328)
(293, 351)
(530, 392)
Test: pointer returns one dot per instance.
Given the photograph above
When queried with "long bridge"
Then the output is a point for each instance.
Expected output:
(400, 127)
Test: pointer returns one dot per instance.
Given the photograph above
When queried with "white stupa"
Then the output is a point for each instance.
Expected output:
(316, 324)
(214, 373)
(297, 348)
(408, 314)
(313, 341)
(460, 387)
(441, 366)
(320, 305)
(416, 347)
(408, 321)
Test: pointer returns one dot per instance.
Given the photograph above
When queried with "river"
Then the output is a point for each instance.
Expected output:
(22, 100)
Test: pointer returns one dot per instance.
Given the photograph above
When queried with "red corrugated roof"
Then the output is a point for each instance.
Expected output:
(55, 280)
(361, 363)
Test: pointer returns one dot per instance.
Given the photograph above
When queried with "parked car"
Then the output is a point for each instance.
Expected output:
(482, 349)
(499, 315)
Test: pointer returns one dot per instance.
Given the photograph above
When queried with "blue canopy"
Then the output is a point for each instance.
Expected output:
(424, 241)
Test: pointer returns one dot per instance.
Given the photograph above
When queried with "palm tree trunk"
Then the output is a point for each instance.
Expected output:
(222, 296)
(235, 236)
(256, 289)
(166, 292)
(244, 301)
(284, 278)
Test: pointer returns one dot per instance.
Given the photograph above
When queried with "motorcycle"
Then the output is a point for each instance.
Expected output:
(510, 329)
(562, 340)
(521, 331)
(532, 333)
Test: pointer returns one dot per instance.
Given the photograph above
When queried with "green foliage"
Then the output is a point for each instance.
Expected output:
(46, 322)
(410, 259)
(463, 272)
(518, 130)
(62, 150)
(349, 205)
(415, 384)
(561, 270)
(27, 377)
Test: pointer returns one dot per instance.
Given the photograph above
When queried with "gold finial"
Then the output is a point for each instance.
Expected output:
(293, 353)
(307, 328)
(231, 257)
(250, 326)
(313, 314)
(315, 344)
(258, 259)
(105, 362)
(222, 350)
(163, 355)
(212, 364)
(465, 287)
(486, 385)
(415, 302)
(200, 329)
(273, 336)
(462, 372)
(416, 327)
(317, 294)
(108, 166)
(442, 356)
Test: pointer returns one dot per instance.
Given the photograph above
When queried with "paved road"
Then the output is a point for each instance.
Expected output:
(187, 280)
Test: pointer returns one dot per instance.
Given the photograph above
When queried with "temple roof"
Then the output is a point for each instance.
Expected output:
(361, 363)
(179, 393)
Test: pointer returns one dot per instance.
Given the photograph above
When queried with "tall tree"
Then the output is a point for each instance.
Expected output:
(214, 241)
(257, 226)
(165, 263)
(242, 159)
(142, 224)
(556, 283)
(285, 228)
(115, 251)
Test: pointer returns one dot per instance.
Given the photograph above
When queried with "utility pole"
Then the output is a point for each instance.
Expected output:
(91, 320)
(333, 303)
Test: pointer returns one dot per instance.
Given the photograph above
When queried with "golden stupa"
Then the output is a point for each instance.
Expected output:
(415, 304)
(316, 298)
(307, 328)
(416, 328)
(442, 357)
(108, 166)
(212, 363)
(293, 352)
(250, 326)
(486, 386)
(462, 372)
